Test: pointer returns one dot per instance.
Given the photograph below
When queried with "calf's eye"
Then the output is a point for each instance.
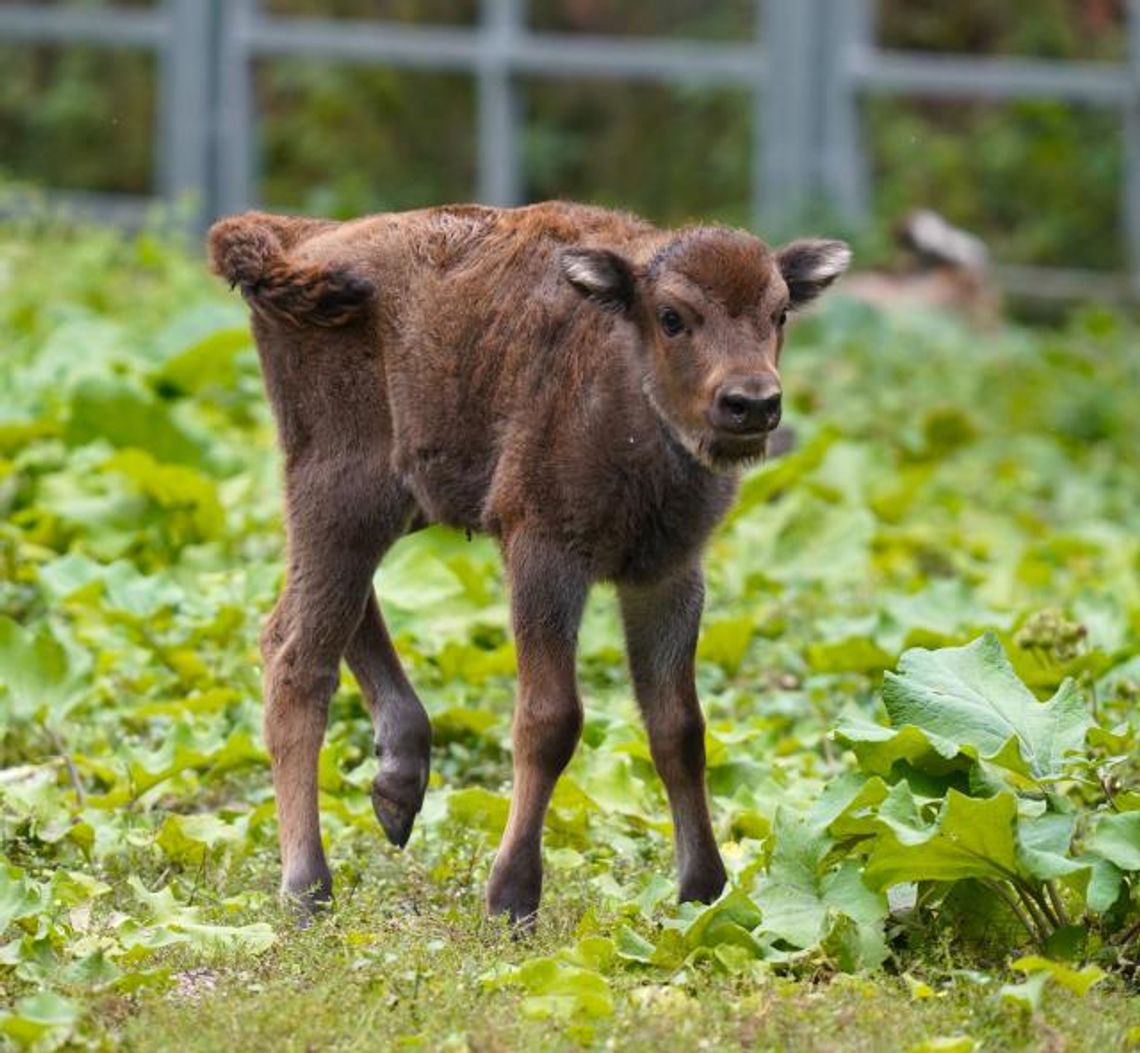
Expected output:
(782, 318)
(672, 324)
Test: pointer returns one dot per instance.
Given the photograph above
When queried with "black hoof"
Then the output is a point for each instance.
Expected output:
(307, 897)
(397, 796)
(396, 819)
(705, 885)
(522, 913)
(515, 891)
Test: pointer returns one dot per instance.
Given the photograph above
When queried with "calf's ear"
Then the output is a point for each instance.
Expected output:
(601, 275)
(810, 265)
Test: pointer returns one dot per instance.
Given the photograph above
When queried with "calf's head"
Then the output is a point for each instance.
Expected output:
(710, 309)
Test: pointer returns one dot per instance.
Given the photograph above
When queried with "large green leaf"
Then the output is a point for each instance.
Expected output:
(1079, 981)
(188, 839)
(1105, 883)
(126, 415)
(556, 989)
(20, 897)
(1117, 839)
(168, 921)
(479, 809)
(34, 1017)
(970, 837)
(970, 696)
(1044, 844)
(208, 363)
(725, 641)
(35, 669)
(178, 491)
(728, 921)
(879, 748)
(854, 654)
(945, 608)
(801, 899)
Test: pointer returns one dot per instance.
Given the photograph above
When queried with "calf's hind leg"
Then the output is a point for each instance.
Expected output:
(339, 527)
(400, 725)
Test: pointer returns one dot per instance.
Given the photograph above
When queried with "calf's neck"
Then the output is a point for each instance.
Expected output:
(576, 382)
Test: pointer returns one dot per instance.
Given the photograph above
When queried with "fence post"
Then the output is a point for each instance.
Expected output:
(789, 111)
(183, 132)
(235, 131)
(497, 126)
(848, 39)
(1131, 188)
(758, 169)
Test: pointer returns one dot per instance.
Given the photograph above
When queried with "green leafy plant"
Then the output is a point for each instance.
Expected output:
(989, 784)
(906, 849)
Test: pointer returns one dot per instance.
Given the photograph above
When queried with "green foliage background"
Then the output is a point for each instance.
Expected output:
(1040, 180)
(945, 484)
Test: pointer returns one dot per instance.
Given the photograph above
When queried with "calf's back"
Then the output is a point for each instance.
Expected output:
(463, 363)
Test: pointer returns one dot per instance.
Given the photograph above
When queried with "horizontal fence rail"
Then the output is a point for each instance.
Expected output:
(993, 78)
(556, 54)
(808, 68)
(77, 24)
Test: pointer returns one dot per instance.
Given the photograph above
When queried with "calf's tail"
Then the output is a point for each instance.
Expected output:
(252, 251)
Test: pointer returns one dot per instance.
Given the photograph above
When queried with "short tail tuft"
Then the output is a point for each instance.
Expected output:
(251, 251)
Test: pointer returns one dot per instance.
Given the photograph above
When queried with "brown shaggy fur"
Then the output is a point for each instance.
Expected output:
(574, 381)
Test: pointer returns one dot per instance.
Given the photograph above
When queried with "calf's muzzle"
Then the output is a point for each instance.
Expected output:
(745, 409)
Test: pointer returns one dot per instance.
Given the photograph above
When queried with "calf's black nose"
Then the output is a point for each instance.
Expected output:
(736, 410)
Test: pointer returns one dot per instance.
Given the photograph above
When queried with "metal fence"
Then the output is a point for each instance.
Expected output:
(808, 67)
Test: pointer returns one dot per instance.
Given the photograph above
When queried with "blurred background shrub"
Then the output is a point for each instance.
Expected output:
(1039, 180)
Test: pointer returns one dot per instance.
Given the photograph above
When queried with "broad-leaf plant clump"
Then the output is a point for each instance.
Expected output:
(920, 664)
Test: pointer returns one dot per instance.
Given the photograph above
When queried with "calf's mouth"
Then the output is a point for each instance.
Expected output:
(730, 449)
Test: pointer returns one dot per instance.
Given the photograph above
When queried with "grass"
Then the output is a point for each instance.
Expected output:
(402, 969)
(945, 483)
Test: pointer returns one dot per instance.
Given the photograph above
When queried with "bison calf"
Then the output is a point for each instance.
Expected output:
(576, 382)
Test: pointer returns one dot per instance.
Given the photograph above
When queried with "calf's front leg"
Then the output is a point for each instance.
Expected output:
(547, 596)
(661, 626)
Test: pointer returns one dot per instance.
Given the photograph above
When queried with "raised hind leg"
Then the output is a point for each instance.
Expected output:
(402, 732)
